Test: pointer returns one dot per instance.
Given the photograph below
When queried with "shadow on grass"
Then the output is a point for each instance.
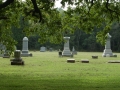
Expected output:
(17, 82)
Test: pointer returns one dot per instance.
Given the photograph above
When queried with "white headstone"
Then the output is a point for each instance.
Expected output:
(66, 51)
(25, 48)
(25, 45)
(42, 49)
(107, 51)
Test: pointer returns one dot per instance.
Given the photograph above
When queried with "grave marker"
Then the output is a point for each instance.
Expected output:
(17, 58)
(107, 51)
(25, 48)
(42, 49)
(66, 51)
(74, 51)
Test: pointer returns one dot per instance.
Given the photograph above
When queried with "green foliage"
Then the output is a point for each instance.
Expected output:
(87, 15)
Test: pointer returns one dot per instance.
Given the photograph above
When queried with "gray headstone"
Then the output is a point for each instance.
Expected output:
(25, 48)
(25, 45)
(42, 49)
(74, 51)
(17, 58)
(66, 51)
(17, 54)
(107, 51)
(6, 54)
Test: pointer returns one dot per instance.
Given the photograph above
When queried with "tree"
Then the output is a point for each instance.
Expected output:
(50, 25)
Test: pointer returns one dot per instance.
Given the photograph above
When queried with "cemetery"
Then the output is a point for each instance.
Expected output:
(59, 44)
(48, 71)
(65, 68)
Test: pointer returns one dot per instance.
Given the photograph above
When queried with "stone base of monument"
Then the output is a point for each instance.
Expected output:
(6, 56)
(84, 60)
(114, 61)
(70, 60)
(74, 52)
(107, 53)
(67, 55)
(17, 62)
(95, 57)
(26, 54)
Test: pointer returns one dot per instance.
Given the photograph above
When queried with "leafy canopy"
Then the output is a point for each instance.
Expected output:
(51, 24)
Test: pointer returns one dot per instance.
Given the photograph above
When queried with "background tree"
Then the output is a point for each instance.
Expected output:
(46, 21)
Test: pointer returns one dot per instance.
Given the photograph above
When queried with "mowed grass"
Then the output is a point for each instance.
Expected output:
(48, 71)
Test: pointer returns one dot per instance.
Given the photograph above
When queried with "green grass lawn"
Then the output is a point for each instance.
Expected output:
(48, 71)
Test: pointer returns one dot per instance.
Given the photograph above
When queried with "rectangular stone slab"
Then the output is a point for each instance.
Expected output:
(85, 61)
(71, 60)
(114, 61)
(17, 63)
(95, 57)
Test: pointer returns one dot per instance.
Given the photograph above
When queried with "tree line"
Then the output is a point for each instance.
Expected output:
(79, 39)
(44, 23)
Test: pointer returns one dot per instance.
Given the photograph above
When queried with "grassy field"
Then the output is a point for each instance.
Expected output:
(48, 71)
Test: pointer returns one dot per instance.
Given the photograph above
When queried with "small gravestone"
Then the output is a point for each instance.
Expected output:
(107, 51)
(42, 49)
(84, 60)
(70, 60)
(74, 51)
(95, 57)
(17, 58)
(25, 51)
(114, 61)
(66, 51)
(6, 55)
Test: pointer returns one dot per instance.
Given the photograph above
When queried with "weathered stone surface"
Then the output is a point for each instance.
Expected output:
(95, 57)
(42, 49)
(25, 51)
(74, 51)
(84, 60)
(114, 61)
(25, 45)
(17, 54)
(5, 55)
(71, 60)
(17, 59)
(66, 51)
(107, 51)
(17, 63)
